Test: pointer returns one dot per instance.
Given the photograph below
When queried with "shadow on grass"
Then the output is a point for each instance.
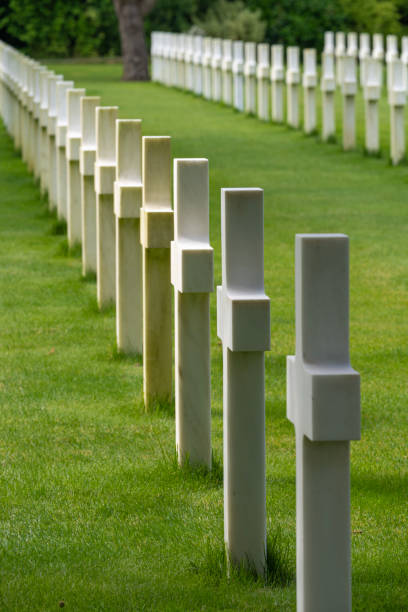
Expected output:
(117, 355)
(89, 277)
(58, 227)
(64, 250)
(279, 570)
(212, 477)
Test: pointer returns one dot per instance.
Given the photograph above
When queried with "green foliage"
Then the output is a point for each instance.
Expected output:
(61, 29)
(233, 20)
(300, 23)
(85, 28)
(372, 15)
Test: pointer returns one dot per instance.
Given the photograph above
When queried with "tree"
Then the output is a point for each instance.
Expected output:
(232, 19)
(130, 15)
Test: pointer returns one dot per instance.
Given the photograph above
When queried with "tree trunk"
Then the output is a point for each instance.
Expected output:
(130, 15)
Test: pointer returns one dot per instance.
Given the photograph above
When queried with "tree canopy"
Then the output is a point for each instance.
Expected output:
(57, 28)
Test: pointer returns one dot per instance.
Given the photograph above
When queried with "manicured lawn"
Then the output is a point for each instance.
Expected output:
(94, 511)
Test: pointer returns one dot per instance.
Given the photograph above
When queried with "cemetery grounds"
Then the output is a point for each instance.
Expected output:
(95, 512)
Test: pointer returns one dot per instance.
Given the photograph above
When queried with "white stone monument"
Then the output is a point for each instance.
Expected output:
(87, 158)
(328, 42)
(404, 59)
(73, 144)
(36, 125)
(51, 131)
(372, 95)
(378, 46)
(363, 54)
(156, 233)
(340, 53)
(165, 58)
(397, 100)
(263, 79)
(352, 44)
(249, 77)
(238, 74)
(292, 86)
(60, 143)
(243, 325)
(309, 90)
(323, 403)
(128, 193)
(192, 278)
(216, 85)
(378, 51)
(226, 67)
(43, 122)
(190, 69)
(391, 54)
(349, 90)
(173, 57)
(181, 67)
(328, 87)
(207, 57)
(277, 83)
(105, 172)
(198, 68)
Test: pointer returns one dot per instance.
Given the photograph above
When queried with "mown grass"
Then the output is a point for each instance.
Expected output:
(94, 509)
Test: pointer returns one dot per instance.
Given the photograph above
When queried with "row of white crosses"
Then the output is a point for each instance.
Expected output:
(252, 78)
(137, 261)
(363, 47)
(340, 63)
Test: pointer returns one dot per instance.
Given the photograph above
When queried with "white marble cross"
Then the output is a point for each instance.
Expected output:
(340, 52)
(105, 172)
(173, 59)
(323, 403)
(328, 88)
(156, 233)
(216, 69)
(51, 130)
(181, 67)
(263, 79)
(189, 76)
(206, 59)
(390, 55)
(192, 279)
(128, 193)
(372, 95)
(60, 143)
(397, 100)
(404, 59)
(238, 74)
(243, 325)
(277, 83)
(378, 46)
(249, 77)
(198, 68)
(36, 118)
(226, 67)
(349, 90)
(328, 42)
(352, 44)
(292, 86)
(363, 54)
(309, 89)
(43, 122)
(73, 144)
(87, 158)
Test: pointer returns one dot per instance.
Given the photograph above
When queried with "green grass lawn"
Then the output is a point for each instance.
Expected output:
(94, 511)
